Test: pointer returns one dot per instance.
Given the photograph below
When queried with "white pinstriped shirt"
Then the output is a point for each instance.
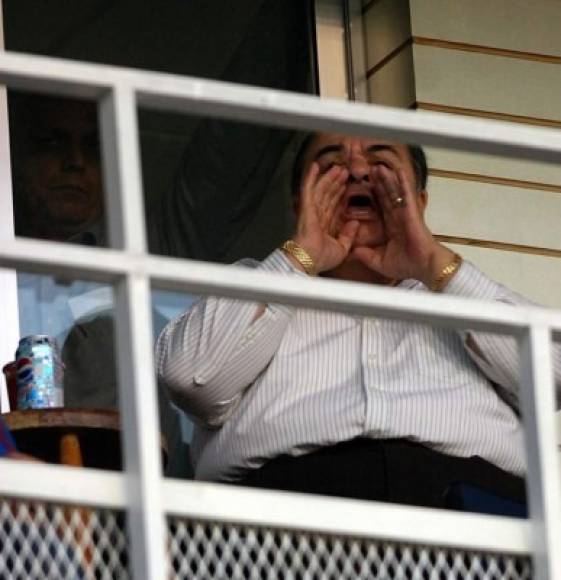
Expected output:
(296, 379)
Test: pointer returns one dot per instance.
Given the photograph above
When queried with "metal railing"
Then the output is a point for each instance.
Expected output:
(141, 490)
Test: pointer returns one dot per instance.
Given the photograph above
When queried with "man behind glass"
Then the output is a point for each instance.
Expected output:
(58, 196)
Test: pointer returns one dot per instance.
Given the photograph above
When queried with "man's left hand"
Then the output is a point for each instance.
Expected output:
(410, 250)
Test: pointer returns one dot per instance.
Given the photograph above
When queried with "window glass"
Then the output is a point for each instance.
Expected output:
(57, 173)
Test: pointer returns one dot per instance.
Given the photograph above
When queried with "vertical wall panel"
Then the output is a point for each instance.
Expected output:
(394, 84)
(388, 27)
(389, 58)
(331, 49)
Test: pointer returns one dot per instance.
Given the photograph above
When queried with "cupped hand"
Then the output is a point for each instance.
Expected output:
(318, 211)
(410, 250)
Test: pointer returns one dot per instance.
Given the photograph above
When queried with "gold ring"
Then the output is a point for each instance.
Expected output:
(398, 201)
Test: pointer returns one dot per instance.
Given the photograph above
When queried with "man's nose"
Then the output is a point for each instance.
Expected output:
(74, 158)
(359, 169)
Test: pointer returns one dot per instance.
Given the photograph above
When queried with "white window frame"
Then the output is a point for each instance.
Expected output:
(141, 489)
(9, 319)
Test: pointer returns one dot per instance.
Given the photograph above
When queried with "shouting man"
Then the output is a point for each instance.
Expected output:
(305, 400)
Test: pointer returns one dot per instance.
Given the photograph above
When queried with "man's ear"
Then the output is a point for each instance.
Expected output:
(423, 199)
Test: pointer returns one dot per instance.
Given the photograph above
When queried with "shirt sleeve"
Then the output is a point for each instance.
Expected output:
(495, 354)
(211, 354)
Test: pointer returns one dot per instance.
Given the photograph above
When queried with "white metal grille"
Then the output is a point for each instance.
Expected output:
(203, 550)
(40, 541)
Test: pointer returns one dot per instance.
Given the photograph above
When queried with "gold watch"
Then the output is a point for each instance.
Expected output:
(303, 258)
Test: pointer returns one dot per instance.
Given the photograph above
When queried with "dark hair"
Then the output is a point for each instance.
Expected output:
(27, 110)
(416, 155)
(419, 163)
(298, 165)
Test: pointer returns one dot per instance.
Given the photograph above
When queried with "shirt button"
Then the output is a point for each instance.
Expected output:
(198, 380)
(372, 357)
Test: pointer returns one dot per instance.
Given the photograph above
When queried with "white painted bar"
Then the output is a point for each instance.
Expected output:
(349, 297)
(121, 164)
(239, 282)
(62, 484)
(208, 501)
(311, 113)
(133, 338)
(215, 502)
(9, 319)
(9, 322)
(544, 490)
(49, 257)
(141, 435)
(280, 108)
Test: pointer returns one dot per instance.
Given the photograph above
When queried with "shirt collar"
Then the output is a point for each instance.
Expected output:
(411, 284)
(93, 236)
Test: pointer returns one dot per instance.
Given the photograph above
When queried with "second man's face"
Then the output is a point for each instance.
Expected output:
(62, 178)
(359, 201)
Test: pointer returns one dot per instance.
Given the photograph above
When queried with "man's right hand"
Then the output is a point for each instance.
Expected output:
(317, 211)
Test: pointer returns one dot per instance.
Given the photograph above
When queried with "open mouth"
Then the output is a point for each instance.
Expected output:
(359, 200)
(361, 206)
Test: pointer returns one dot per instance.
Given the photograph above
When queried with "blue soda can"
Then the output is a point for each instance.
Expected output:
(39, 373)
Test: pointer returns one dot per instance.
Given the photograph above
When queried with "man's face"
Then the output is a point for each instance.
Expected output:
(359, 201)
(60, 171)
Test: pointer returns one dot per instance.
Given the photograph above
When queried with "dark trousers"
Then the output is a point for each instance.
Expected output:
(393, 470)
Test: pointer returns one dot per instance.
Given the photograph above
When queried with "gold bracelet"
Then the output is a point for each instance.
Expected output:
(303, 258)
(446, 273)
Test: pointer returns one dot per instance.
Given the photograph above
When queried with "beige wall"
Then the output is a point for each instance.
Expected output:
(505, 24)
(498, 59)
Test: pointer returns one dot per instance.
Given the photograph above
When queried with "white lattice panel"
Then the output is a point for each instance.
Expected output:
(203, 550)
(40, 541)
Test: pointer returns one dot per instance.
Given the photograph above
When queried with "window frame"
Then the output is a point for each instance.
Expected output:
(141, 489)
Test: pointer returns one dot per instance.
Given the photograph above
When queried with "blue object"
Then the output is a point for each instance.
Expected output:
(471, 498)
(7, 443)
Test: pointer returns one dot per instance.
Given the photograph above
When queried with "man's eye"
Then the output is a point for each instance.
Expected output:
(327, 166)
(378, 162)
(48, 143)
